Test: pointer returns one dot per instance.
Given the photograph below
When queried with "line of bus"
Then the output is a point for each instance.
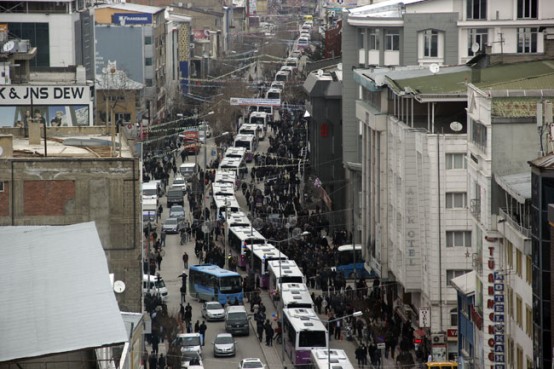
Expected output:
(284, 271)
(262, 255)
(240, 237)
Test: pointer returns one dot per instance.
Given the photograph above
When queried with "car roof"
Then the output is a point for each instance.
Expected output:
(224, 335)
(252, 359)
(212, 303)
(176, 207)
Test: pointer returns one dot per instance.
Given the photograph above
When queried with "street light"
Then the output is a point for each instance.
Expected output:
(305, 233)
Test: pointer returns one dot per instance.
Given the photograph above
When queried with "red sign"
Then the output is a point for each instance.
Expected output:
(452, 333)
(324, 130)
(190, 136)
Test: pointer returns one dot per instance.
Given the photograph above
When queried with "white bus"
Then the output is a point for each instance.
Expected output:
(296, 299)
(284, 271)
(260, 119)
(263, 254)
(238, 219)
(235, 152)
(252, 129)
(222, 176)
(223, 202)
(223, 188)
(303, 332)
(243, 237)
(320, 359)
(250, 142)
(235, 165)
(295, 287)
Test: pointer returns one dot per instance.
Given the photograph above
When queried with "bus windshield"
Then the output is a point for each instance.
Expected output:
(257, 120)
(312, 339)
(345, 257)
(230, 284)
(247, 131)
(245, 144)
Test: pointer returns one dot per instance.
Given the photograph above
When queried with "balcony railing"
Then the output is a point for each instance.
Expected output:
(514, 223)
(475, 208)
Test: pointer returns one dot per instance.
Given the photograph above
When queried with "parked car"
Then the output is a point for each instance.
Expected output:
(251, 363)
(224, 345)
(190, 343)
(171, 225)
(212, 310)
(179, 182)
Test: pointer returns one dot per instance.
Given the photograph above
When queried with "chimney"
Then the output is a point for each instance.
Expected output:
(34, 133)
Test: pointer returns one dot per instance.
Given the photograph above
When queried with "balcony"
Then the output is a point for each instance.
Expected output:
(513, 221)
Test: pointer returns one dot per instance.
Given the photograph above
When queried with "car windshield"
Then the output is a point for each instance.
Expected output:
(171, 221)
(224, 339)
(150, 192)
(179, 181)
(214, 306)
(187, 169)
(252, 364)
(159, 284)
(177, 209)
(236, 316)
(190, 341)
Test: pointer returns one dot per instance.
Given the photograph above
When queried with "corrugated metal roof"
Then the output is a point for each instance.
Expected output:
(546, 161)
(465, 283)
(57, 295)
(517, 185)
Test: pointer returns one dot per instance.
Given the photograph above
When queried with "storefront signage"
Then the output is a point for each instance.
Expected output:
(131, 18)
(495, 308)
(44, 95)
(452, 333)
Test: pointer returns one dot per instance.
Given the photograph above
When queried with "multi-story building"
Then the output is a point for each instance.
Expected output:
(414, 189)
(443, 32)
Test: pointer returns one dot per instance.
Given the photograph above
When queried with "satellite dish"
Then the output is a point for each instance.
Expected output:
(434, 68)
(475, 47)
(456, 126)
(319, 72)
(119, 286)
(8, 46)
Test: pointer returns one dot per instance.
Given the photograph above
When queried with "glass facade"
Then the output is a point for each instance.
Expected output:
(38, 34)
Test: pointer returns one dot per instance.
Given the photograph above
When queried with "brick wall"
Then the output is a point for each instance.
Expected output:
(47, 197)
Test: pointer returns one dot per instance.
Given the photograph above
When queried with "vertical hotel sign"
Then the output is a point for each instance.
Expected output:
(411, 225)
(495, 310)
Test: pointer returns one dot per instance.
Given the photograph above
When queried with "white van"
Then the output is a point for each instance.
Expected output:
(157, 286)
(282, 76)
(150, 190)
(273, 93)
(236, 320)
(189, 170)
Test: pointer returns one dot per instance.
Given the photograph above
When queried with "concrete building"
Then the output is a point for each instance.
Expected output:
(324, 106)
(502, 138)
(142, 29)
(62, 31)
(78, 178)
(413, 190)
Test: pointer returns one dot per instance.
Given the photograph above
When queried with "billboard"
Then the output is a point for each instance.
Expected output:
(244, 101)
(53, 105)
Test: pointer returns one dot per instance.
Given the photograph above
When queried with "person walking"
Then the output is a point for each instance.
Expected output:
(359, 356)
(197, 327)
(159, 259)
(161, 362)
(260, 328)
(202, 332)
(155, 343)
(188, 314)
(152, 361)
(186, 260)
(268, 333)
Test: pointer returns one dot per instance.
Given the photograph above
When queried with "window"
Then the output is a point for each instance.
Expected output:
(476, 9)
(479, 134)
(147, 61)
(519, 311)
(148, 40)
(528, 270)
(527, 9)
(519, 357)
(456, 200)
(527, 40)
(458, 238)
(39, 35)
(373, 39)
(392, 40)
(454, 317)
(519, 262)
(430, 44)
(509, 254)
(528, 320)
(148, 82)
(456, 161)
(477, 36)
(453, 273)
(1, 186)
(510, 351)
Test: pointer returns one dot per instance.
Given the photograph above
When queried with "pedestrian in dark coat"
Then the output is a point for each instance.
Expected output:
(359, 356)
(161, 362)
(260, 329)
(268, 333)
(202, 331)
(152, 361)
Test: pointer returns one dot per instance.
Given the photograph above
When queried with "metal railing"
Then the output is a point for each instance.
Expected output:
(514, 223)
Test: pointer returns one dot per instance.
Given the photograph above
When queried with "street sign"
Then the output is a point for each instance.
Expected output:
(425, 317)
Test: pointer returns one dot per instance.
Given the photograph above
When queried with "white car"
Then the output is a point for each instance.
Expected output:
(180, 182)
(212, 310)
(251, 363)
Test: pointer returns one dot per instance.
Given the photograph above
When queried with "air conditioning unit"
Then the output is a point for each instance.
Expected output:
(438, 339)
